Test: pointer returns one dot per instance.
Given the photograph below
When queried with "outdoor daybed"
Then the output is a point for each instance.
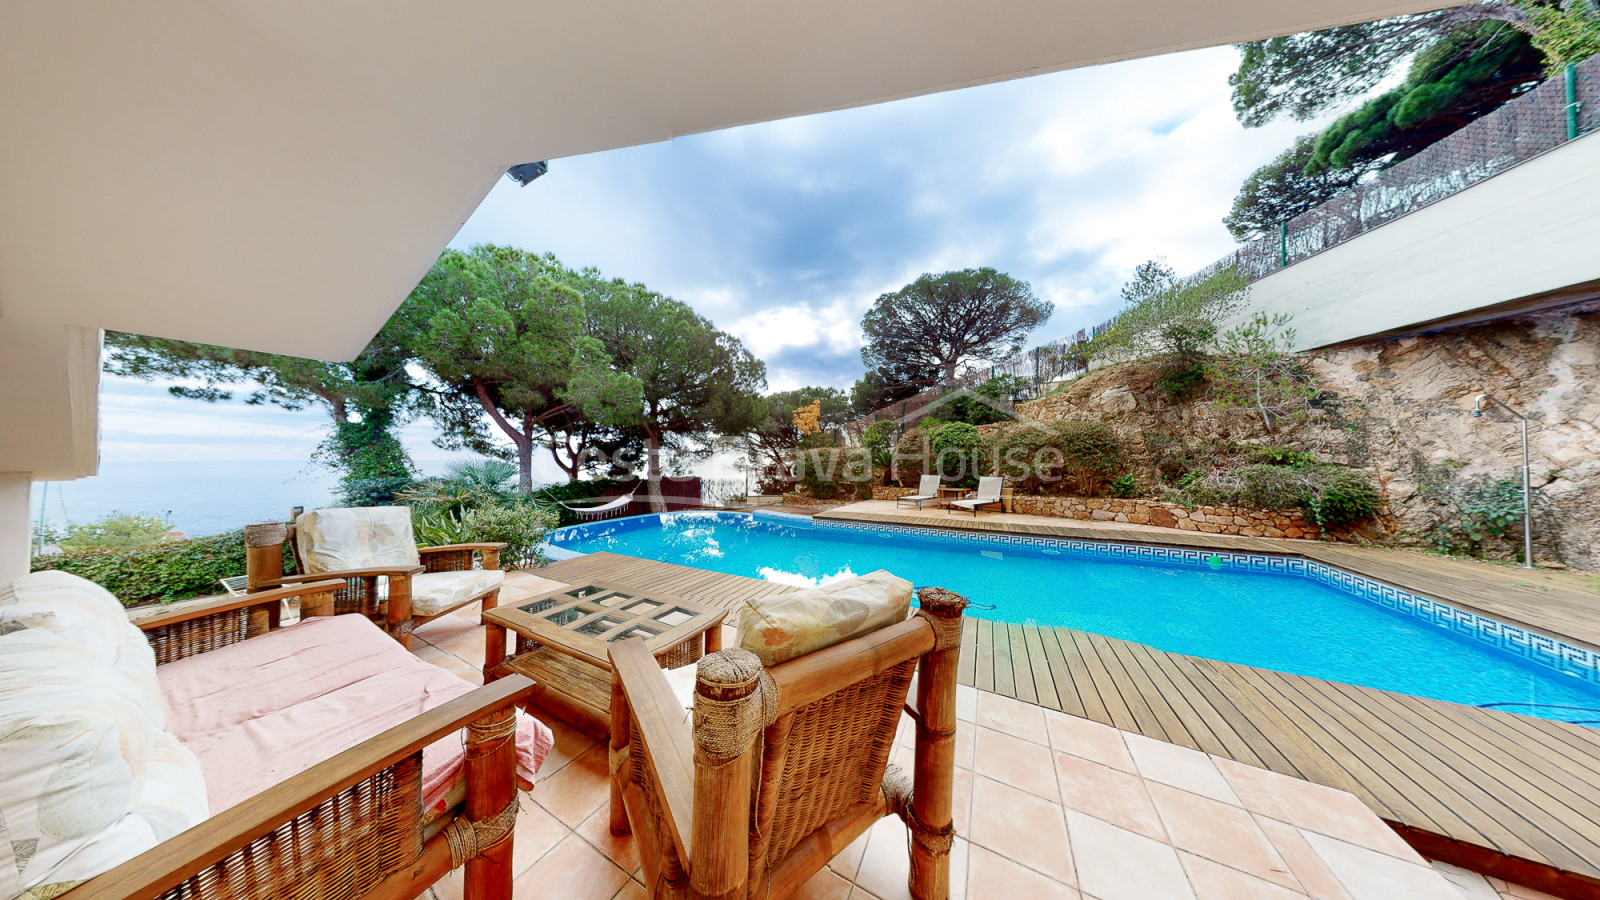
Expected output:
(207, 752)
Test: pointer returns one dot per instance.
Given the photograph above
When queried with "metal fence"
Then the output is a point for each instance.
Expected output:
(1561, 109)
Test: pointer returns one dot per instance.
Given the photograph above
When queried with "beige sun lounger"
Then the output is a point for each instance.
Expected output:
(927, 491)
(986, 497)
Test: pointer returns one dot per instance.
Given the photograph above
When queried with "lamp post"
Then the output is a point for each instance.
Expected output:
(1527, 503)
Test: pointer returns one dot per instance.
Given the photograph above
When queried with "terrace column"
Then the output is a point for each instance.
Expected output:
(15, 488)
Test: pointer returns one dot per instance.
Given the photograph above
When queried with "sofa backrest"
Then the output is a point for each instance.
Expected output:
(88, 778)
(341, 539)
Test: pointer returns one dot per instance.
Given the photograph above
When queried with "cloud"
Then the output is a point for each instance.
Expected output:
(784, 233)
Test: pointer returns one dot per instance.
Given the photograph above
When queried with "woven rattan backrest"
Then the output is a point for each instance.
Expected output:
(825, 757)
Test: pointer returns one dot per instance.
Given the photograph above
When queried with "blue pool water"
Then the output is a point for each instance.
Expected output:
(1287, 622)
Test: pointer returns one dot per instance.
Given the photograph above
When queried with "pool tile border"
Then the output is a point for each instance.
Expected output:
(1539, 649)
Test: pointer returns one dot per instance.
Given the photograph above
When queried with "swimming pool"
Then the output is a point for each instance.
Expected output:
(1291, 615)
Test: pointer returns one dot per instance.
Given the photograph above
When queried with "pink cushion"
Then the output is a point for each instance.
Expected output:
(263, 710)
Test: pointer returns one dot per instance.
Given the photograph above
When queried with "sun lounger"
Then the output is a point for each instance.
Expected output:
(986, 497)
(927, 491)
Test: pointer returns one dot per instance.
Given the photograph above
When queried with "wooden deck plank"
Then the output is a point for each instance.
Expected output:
(983, 680)
(967, 663)
(1117, 710)
(1021, 663)
(1044, 682)
(1005, 679)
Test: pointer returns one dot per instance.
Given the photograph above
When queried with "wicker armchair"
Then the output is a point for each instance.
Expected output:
(785, 766)
(392, 605)
(349, 828)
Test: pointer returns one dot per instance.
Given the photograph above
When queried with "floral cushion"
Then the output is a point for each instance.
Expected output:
(87, 779)
(335, 540)
(81, 612)
(434, 592)
(782, 627)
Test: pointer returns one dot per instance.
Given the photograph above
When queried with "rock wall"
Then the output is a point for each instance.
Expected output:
(1207, 519)
(1401, 408)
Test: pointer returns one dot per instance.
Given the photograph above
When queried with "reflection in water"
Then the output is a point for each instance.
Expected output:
(795, 578)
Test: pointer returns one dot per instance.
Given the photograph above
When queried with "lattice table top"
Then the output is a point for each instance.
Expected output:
(582, 621)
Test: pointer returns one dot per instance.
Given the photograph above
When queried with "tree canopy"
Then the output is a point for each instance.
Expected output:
(1463, 63)
(938, 322)
(366, 399)
(773, 437)
(504, 334)
(693, 380)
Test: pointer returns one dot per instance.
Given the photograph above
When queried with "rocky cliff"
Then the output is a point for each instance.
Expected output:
(1401, 408)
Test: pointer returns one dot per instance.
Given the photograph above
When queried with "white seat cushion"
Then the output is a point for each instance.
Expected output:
(370, 537)
(435, 592)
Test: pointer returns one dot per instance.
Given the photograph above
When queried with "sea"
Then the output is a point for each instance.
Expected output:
(210, 497)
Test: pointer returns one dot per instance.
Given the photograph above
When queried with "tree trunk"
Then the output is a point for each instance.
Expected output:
(653, 460)
(950, 372)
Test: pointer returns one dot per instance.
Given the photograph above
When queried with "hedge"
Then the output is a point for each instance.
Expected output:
(157, 573)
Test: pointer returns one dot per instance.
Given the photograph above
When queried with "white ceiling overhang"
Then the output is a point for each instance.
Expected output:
(278, 175)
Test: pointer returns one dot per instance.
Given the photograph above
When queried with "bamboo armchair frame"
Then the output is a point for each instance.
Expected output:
(784, 767)
(349, 828)
(359, 593)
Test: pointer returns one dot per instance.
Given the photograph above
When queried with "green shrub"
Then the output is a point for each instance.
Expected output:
(879, 439)
(1476, 512)
(1330, 495)
(1026, 453)
(1092, 455)
(157, 573)
(572, 492)
(1125, 486)
(910, 456)
(1282, 456)
(1180, 378)
(1342, 495)
(118, 531)
(832, 472)
(957, 450)
(522, 525)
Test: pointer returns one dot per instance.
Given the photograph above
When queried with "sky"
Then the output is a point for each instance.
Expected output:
(784, 233)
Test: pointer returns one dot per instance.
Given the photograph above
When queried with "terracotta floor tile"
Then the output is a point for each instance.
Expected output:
(1088, 739)
(961, 802)
(572, 871)
(1116, 864)
(960, 856)
(861, 894)
(1109, 794)
(1519, 892)
(468, 645)
(849, 859)
(1370, 875)
(1335, 813)
(444, 628)
(1472, 885)
(450, 663)
(1013, 717)
(993, 877)
(1215, 881)
(1180, 767)
(1221, 832)
(965, 741)
(536, 832)
(1247, 785)
(966, 703)
(1017, 762)
(597, 831)
(886, 864)
(580, 788)
(631, 891)
(1022, 827)
(825, 885)
(570, 744)
(1314, 875)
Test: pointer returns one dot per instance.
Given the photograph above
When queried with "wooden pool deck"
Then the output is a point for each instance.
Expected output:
(1498, 793)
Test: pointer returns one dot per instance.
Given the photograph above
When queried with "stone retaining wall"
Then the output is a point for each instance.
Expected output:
(1207, 519)
(891, 492)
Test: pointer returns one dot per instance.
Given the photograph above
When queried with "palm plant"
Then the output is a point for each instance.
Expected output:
(467, 484)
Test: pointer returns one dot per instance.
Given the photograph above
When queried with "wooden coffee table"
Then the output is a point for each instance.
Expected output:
(563, 638)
